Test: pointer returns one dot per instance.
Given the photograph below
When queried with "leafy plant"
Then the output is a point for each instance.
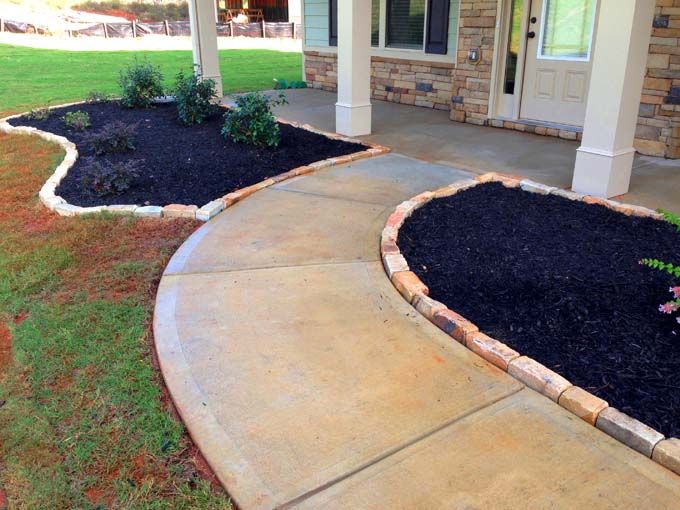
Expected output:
(39, 113)
(252, 120)
(671, 218)
(95, 96)
(282, 84)
(140, 84)
(109, 178)
(194, 98)
(78, 120)
(662, 266)
(113, 137)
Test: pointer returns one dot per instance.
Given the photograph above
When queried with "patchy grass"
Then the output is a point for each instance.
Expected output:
(36, 77)
(84, 421)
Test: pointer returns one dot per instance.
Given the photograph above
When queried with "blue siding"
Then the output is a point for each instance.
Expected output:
(316, 22)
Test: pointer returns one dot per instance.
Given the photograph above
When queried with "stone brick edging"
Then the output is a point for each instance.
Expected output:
(53, 202)
(578, 401)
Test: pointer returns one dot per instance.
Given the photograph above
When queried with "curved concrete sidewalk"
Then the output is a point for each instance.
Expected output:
(308, 382)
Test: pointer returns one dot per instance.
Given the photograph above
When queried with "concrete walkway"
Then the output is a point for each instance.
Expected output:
(308, 382)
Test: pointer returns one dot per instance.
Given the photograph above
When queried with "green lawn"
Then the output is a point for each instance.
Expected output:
(84, 421)
(34, 77)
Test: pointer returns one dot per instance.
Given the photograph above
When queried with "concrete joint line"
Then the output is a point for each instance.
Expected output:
(270, 268)
(393, 451)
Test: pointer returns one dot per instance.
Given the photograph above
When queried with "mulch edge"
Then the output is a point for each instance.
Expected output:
(55, 203)
(574, 399)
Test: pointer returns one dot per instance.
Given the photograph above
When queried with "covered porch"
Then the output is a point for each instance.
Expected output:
(429, 135)
(609, 94)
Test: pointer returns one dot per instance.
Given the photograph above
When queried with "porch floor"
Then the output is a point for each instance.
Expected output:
(429, 135)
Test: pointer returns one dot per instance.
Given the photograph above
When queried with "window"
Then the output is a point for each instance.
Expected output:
(567, 29)
(402, 24)
(375, 23)
(514, 36)
(405, 24)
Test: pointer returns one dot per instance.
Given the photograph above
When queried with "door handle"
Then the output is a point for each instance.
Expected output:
(531, 34)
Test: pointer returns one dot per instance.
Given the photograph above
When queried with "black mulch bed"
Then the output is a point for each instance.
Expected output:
(559, 281)
(185, 165)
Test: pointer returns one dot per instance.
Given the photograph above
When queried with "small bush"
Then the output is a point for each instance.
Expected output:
(39, 114)
(283, 84)
(109, 178)
(140, 84)
(252, 120)
(115, 136)
(78, 120)
(194, 98)
(95, 96)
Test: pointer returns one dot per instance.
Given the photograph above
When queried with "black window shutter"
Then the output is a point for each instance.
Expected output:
(333, 22)
(437, 35)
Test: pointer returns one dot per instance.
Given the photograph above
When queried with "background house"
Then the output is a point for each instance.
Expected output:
(274, 10)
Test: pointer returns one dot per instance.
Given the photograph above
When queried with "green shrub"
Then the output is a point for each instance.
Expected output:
(252, 120)
(78, 120)
(283, 84)
(194, 98)
(140, 84)
(39, 114)
(109, 178)
(115, 136)
(95, 96)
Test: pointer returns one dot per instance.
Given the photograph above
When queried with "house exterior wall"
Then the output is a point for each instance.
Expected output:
(658, 129)
(464, 88)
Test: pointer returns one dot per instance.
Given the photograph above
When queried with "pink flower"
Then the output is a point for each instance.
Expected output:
(668, 308)
(675, 291)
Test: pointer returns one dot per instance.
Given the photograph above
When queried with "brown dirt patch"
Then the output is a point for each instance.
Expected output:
(5, 346)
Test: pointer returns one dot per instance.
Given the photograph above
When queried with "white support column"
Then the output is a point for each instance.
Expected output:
(204, 40)
(353, 109)
(605, 159)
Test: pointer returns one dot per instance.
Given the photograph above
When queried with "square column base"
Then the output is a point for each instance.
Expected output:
(353, 120)
(602, 174)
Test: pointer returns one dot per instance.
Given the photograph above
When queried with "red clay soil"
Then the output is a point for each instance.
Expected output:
(5, 346)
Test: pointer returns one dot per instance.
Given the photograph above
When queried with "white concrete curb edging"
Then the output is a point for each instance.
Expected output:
(578, 401)
(53, 202)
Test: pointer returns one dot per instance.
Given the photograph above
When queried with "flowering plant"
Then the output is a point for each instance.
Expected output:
(672, 306)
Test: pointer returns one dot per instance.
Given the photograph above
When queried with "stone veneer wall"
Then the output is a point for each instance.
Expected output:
(413, 82)
(464, 90)
(658, 129)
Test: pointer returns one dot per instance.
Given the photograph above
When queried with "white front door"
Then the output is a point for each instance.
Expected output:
(558, 61)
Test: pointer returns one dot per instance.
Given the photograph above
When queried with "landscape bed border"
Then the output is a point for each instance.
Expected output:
(55, 203)
(588, 407)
